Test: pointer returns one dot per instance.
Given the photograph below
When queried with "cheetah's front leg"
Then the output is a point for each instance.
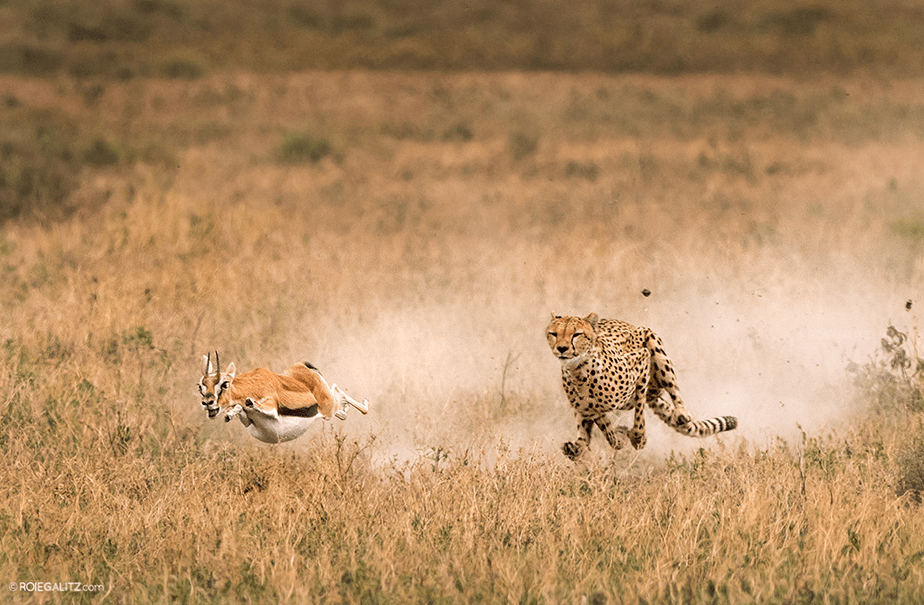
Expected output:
(617, 436)
(637, 433)
(574, 449)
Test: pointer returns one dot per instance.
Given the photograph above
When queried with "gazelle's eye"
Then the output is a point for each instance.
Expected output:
(224, 385)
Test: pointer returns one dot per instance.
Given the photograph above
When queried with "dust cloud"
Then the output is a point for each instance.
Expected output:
(450, 374)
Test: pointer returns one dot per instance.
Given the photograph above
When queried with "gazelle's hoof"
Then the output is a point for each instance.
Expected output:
(340, 414)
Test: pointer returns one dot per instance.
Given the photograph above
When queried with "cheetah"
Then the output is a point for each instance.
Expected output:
(606, 365)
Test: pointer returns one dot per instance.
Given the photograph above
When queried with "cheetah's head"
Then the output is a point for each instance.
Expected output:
(571, 337)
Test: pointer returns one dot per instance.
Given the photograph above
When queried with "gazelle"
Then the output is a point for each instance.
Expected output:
(273, 407)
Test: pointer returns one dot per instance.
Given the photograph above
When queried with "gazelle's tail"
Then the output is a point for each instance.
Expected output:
(310, 366)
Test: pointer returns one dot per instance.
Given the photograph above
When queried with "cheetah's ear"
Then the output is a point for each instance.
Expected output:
(592, 319)
(554, 317)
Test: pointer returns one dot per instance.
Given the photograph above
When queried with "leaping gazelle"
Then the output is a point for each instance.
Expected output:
(273, 407)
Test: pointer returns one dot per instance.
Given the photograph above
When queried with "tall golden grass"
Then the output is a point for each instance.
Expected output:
(776, 223)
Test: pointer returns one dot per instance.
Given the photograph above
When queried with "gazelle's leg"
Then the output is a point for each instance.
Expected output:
(344, 398)
(340, 398)
(237, 410)
(340, 414)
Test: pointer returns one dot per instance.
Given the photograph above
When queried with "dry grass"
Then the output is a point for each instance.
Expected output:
(772, 220)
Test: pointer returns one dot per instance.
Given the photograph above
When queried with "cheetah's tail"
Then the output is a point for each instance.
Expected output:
(707, 427)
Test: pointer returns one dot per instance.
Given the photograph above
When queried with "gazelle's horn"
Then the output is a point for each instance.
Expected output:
(208, 362)
(217, 365)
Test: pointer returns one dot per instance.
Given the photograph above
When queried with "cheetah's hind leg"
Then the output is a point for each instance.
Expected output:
(667, 409)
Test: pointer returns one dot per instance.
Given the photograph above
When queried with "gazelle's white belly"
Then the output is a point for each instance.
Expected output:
(278, 429)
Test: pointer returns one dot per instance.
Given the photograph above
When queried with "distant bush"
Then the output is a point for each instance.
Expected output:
(582, 170)
(713, 20)
(522, 145)
(912, 228)
(460, 131)
(165, 7)
(301, 147)
(801, 21)
(30, 59)
(100, 153)
(895, 379)
(183, 67)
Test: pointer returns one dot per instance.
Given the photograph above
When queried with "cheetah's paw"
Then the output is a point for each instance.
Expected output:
(572, 450)
(637, 438)
(683, 417)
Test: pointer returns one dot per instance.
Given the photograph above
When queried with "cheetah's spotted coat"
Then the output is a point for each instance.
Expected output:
(608, 365)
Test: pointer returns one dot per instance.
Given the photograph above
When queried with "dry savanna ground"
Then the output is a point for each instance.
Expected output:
(410, 234)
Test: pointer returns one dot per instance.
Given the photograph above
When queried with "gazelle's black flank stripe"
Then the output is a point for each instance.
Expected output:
(309, 412)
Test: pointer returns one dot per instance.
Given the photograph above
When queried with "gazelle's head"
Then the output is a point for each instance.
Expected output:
(572, 337)
(214, 384)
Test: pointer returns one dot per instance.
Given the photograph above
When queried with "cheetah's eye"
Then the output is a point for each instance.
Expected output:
(553, 334)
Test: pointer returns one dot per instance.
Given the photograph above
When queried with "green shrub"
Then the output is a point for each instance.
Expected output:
(894, 381)
(582, 170)
(911, 228)
(185, 67)
(301, 147)
(522, 145)
(801, 21)
(30, 59)
(100, 153)
(460, 131)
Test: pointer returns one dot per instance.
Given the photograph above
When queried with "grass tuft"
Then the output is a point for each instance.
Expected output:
(911, 471)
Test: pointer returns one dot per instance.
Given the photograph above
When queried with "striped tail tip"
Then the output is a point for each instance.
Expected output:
(708, 426)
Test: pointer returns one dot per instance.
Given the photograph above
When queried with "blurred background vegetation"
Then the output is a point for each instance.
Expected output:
(129, 38)
(97, 45)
